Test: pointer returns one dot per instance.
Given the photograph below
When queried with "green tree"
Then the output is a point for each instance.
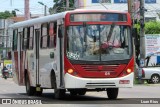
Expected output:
(60, 6)
(5, 15)
(51, 10)
(14, 13)
(152, 27)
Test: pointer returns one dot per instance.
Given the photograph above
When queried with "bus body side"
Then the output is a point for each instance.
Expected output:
(25, 60)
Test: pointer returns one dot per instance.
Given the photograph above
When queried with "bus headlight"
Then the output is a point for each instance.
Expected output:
(70, 71)
(126, 72)
(129, 70)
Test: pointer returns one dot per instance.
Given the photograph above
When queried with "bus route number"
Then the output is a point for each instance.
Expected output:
(107, 73)
(73, 55)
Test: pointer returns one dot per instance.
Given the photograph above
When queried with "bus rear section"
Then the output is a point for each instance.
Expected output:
(98, 52)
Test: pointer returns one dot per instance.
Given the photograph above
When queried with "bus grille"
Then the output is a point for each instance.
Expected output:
(100, 85)
(95, 68)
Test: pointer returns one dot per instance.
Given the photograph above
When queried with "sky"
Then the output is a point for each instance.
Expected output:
(35, 7)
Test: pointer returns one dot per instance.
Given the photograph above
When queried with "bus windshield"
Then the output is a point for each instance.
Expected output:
(99, 42)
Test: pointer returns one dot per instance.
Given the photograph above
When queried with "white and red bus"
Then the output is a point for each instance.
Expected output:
(75, 51)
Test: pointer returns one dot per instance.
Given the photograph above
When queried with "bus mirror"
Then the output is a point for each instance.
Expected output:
(60, 32)
(51, 54)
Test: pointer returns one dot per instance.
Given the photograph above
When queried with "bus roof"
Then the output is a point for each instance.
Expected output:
(99, 10)
(54, 17)
(38, 20)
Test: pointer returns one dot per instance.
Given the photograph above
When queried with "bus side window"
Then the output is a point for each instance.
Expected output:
(31, 32)
(25, 39)
(15, 38)
(52, 34)
(44, 35)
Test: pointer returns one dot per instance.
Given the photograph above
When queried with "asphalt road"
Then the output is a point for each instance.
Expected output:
(142, 95)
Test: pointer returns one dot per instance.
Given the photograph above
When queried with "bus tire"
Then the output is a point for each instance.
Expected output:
(73, 92)
(39, 93)
(59, 93)
(112, 93)
(29, 89)
(82, 91)
(53, 80)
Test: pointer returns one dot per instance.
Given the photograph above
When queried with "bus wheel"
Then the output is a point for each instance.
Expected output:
(39, 93)
(112, 93)
(59, 93)
(82, 92)
(73, 92)
(53, 80)
(29, 89)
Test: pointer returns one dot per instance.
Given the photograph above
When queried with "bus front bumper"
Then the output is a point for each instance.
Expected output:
(78, 82)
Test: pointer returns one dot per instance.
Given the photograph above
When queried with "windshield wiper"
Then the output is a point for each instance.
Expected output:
(110, 32)
(85, 35)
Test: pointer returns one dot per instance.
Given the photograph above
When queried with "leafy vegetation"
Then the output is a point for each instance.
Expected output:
(5, 15)
(60, 6)
(152, 27)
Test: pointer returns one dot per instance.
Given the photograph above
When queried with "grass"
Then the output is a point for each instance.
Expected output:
(137, 81)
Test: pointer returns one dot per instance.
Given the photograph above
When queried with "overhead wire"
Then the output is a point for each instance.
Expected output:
(37, 8)
(4, 1)
(34, 8)
(154, 10)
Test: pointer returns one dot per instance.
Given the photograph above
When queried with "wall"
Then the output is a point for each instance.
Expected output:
(5, 39)
(152, 6)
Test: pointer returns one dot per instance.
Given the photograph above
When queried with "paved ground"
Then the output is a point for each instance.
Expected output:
(133, 95)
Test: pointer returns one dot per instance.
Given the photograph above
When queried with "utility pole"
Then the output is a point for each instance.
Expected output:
(45, 8)
(130, 7)
(131, 11)
(67, 4)
(27, 12)
(142, 35)
(5, 38)
(10, 2)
